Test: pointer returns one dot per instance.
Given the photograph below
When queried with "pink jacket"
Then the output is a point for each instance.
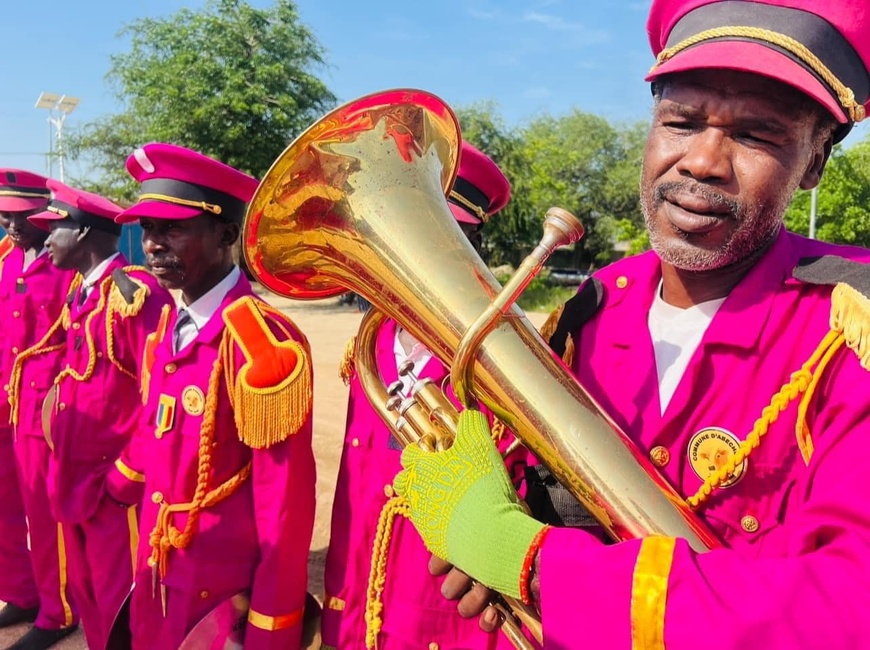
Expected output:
(31, 302)
(414, 614)
(255, 539)
(94, 419)
(796, 570)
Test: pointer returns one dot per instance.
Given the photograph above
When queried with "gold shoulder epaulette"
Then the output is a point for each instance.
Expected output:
(127, 294)
(346, 368)
(6, 247)
(273, 390)
(850, 304)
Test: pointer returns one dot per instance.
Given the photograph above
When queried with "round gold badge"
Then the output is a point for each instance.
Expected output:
(193, 400)
(711, 449)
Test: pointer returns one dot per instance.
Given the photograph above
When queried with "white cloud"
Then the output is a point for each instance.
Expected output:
(537, 92)
(559, 24)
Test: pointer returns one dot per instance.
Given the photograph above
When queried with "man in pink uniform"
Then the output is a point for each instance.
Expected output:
(229, 472)
(96, 406)
(692, 351)
(33, 294)
(399, 605)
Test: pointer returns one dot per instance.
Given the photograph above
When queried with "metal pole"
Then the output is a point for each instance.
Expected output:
(814, 204)
(49, 159)
(60, 145)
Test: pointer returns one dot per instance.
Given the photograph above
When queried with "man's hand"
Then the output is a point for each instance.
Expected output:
(473, 597)
(466, 510)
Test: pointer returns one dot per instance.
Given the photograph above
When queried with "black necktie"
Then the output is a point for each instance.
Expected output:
(184, 326)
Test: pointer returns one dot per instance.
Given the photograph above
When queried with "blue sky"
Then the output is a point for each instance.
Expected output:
(528, 56)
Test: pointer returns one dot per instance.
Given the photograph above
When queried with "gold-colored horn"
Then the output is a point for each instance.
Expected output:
(357, 202)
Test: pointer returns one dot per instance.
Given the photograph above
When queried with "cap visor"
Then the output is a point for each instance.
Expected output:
(462, 215)
(157, 210)
(42, 219)
(21, 204)
(754, 58)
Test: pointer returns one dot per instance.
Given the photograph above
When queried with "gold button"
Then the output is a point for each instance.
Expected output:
(388, 491)
(77, 326)
(355, 442)
(433, 646)
(660, 456)
(170, 368)
(749, 524)
(20, 281)
(6, 387)
(16, 314)
(33, 384)
(203, 594)
(157, 497)
(621, 282)
(61, 406)
(14, 350)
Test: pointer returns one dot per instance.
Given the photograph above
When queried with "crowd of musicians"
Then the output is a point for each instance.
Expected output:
(156, 422)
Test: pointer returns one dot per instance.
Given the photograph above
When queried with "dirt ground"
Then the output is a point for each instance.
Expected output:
(328, 326)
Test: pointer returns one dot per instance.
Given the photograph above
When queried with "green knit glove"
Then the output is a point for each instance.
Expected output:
(465, 508)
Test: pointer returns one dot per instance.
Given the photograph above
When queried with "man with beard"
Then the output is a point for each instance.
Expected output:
(94, 407)
(229, 471)
(32, 294)
(724, 354)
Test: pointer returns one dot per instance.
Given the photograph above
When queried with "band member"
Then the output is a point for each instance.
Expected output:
(32, 294)
(735, 354)
(379, 590)
(227, 380)
(95, 406)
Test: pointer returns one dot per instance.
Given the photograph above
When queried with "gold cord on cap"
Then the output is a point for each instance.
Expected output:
(59, 211)
(853, 109)
(24, 195)
(202, 205)
(476, 209)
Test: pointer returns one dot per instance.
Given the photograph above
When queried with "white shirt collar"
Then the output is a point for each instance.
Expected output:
(94, 276)
(203, 308)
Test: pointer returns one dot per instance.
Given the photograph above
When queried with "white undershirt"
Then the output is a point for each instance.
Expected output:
(203, 308)
(405, 347)
(94, 276)
(30, 256)
(676, 334)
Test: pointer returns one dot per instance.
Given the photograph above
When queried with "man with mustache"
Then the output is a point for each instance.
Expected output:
(731, 333)
(94, 407)
(32, 294)
(226, 453)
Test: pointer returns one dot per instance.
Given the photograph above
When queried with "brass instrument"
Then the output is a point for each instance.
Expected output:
(357, 202)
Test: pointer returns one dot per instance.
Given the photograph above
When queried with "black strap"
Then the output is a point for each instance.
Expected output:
(577, 311)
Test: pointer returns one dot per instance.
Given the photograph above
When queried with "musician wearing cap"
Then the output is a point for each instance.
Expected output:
(734, 354)
(94, 407)
(227, 383)
(381, 590)
(32, 293)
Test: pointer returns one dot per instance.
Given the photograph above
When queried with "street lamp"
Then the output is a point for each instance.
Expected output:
(58, 107)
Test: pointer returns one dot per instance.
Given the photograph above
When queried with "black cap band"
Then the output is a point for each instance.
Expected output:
(84, 218)
(24, 192)
(207, 199)
(471, 194)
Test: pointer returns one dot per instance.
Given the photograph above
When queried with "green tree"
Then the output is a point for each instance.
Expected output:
(229, 80)
(513, 230)
(585, 164)
(843, 210)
